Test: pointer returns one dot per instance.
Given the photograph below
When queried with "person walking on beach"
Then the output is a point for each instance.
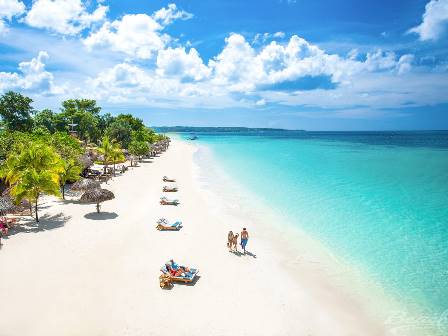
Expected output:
(235, 243)
(244, 239)
(229, 240)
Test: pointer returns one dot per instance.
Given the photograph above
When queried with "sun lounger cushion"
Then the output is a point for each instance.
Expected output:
(188, 275)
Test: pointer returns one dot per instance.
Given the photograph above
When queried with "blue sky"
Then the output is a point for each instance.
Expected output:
(315, 65)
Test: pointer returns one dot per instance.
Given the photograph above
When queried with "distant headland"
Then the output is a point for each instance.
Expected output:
(194, 129)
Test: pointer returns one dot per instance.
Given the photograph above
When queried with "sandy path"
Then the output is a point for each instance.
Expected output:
(99, 275)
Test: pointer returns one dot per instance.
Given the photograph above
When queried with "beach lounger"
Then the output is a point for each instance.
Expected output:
(188, 278)
(165, 201)
(166, 179)
(7, 223)
(169, 189)
(165, 281)
(162, 225)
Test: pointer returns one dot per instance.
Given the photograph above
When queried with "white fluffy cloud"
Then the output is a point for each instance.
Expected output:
(404, 64)
(68, 17)
(137, 35)
(262, 38)
(234, 66)
(242, 68)
(131, 84)
(8, 10)
(179, 63)
(434, 20)
(32, 77)
(167, 15)
(241, 76)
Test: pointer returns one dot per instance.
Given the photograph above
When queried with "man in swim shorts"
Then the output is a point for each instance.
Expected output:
(244, 239)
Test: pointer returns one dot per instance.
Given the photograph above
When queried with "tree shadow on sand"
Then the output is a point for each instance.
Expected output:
(101, 215)
(46, 222)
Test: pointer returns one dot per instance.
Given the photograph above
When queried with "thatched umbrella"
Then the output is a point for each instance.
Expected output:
(97, 196)
(7, 205)
(24, 204)
(86, 161)
(85, 184)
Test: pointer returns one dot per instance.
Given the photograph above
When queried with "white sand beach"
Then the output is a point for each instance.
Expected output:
(79, 273)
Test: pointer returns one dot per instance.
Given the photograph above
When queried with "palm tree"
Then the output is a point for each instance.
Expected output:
(71, 170)
(31, 171)
(106, 149)
(117, 154)
(138, 148)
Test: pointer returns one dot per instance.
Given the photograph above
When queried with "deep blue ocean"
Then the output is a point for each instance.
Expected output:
(377, 199)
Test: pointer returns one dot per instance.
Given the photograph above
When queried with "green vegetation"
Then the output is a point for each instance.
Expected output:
(33, 170)
(41, 151)
(106, 149)
(138, 149)
(16, 111)
(111, 151)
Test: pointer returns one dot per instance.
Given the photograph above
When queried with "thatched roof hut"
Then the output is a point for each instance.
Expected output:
(86, 161)
(7, 205)
(97, 196)
(23, 205)
(85, 184)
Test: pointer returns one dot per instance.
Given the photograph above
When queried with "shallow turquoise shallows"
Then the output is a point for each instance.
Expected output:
(379, 200)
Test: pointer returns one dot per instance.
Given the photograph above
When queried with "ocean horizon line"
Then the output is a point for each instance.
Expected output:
(186, 129)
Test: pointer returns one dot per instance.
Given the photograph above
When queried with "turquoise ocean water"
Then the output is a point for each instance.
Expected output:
(378, 200)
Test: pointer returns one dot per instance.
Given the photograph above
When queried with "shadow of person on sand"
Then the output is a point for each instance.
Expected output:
(46, 222)
(250, 254)
(237, 253)
(241, 254)
(101, 215)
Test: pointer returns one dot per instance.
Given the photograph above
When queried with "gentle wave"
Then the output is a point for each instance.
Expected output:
(380, 206)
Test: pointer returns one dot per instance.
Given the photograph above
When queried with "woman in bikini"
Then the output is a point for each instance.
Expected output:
(230, 240)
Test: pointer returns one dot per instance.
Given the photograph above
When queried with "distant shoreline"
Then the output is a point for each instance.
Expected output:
(231, 129)
(189, 129)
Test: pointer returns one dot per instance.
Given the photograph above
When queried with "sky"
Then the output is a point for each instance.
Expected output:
(296, 64)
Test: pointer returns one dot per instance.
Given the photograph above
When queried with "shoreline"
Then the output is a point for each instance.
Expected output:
(98, 274)
(301, 251)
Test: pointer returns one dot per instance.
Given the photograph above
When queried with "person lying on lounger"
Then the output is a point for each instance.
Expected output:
(4, 227)
(162, 224)
(169, 189)
(165, 201)
(176, 270)
(166, 179)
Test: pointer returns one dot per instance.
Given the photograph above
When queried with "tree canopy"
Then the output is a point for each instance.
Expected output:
(34, 169)
(16, 111)
(38, 153)
(46, 119)
(85, 114)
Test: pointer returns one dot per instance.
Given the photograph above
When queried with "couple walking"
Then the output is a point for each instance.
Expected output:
(232, 240)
